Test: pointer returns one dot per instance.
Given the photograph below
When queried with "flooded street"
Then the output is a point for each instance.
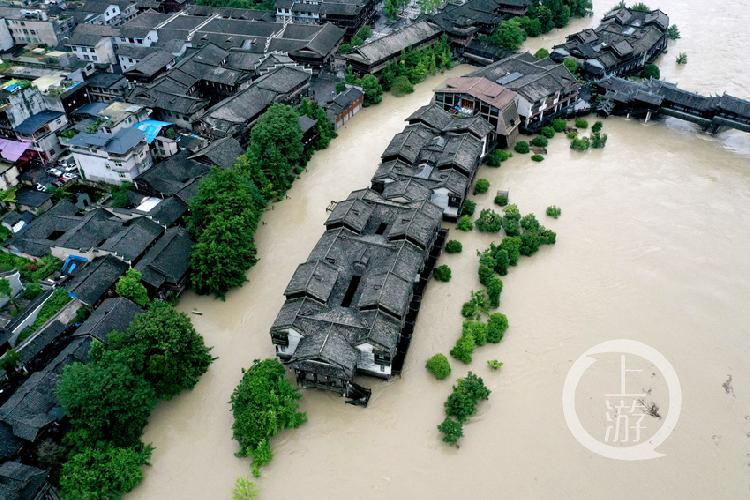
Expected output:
(652, 246)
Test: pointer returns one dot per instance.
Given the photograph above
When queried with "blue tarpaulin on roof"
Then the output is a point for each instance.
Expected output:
(151, 128)
(71, 263)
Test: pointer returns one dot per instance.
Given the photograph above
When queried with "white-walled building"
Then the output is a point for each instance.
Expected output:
(93, 42)
(108, 12)
(41, 130)
(111, 158)
(6, 39)
(28, 25)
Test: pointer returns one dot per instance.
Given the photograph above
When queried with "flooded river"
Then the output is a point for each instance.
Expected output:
(652, 246)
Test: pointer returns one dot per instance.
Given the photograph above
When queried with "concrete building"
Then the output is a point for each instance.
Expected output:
(94, 42)
(106, 12)
(34, 25)
(111, 158)
(472, 95)
(545, 89)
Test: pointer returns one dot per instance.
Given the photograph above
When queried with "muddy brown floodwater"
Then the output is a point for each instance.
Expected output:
(652, 246)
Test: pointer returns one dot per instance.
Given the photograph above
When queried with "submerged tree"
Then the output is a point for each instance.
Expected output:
(673, 32)
(165, 349)
(263, 404)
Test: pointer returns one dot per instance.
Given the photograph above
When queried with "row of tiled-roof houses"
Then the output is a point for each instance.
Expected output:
(351, 307)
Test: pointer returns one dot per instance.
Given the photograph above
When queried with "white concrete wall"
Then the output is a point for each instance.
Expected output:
(6, 40)
(294, 337)
(100, 167)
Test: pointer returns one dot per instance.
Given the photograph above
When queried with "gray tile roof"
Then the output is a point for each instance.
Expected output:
(173, 175)
(112, 315)
(96, 278)
(436, 150)
(30, 348)
(132, 240)
(529, 77)
(34, 405)
(167, 262)
(357, 283)
(234, 113)
(140, 25)
(90, 34)
(390, 45)
(222, 152)
(31, 198)
(19, 481)
(152, 63)
(168, 211)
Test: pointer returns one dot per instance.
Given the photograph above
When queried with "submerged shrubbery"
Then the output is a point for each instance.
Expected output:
(439, 366)
(460, 405)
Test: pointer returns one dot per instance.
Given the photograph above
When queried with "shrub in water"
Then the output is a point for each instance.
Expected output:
(494, 364)
(452, 431)
(501, 198)
(522, 147)
(489, 221)
(549, 132)
(496, 326)
(442, 273)
(439, 366)
(481, 186)
(554, 211)
(463, 349)
(402, 86)
(559, 125)
(453, 246)
(598, 141)
(537, 158)
(581, 123)
(539, 141)
(494, 289)
(468, 208)
(580, 144)
(464, 223)
(597, 127)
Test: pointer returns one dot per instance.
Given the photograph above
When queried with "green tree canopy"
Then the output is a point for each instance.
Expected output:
(104, 472)
(325, 129)
(508, 35)
(372, 89)
(222, 255)
(129, 286)
(105, 400)
(263, 404)
(165, 349)
(5, 289)
(276, 145)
